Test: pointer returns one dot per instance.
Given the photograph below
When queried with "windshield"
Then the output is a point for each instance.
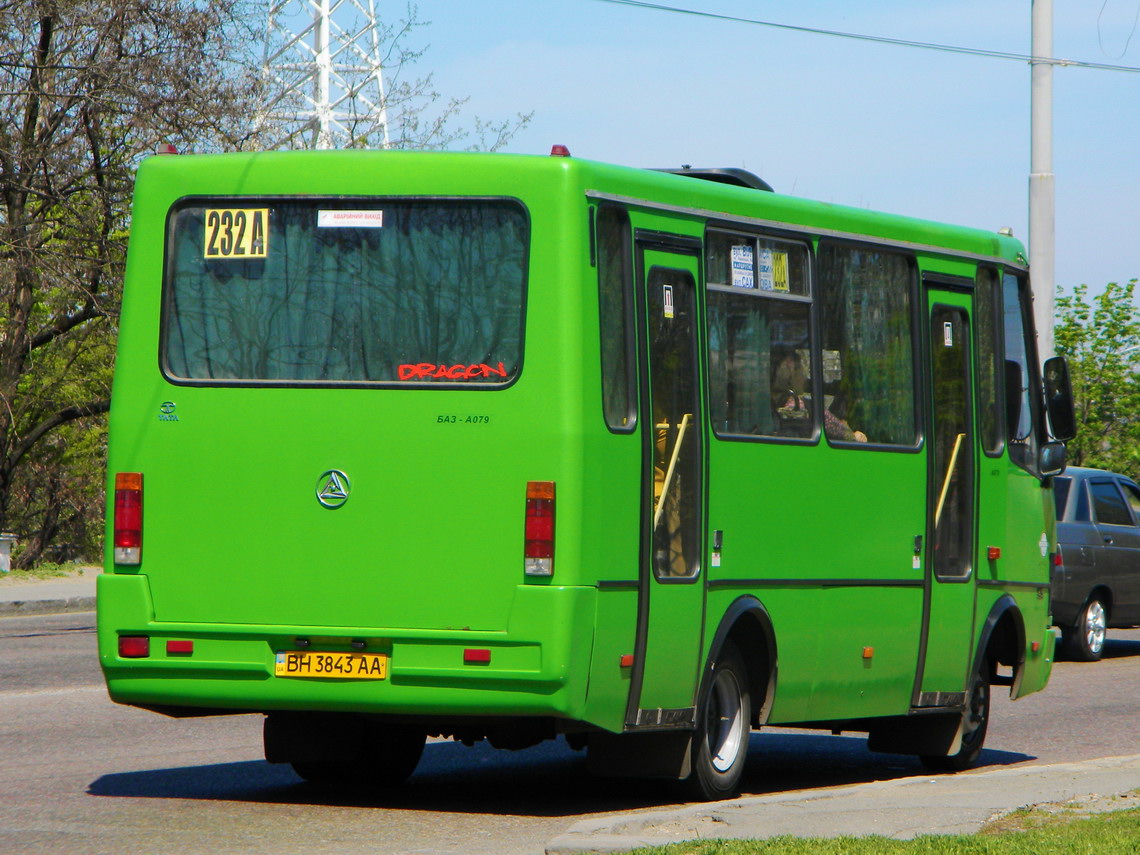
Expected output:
(333, 291)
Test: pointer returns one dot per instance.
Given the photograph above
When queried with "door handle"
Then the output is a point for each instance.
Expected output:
(1108, 540)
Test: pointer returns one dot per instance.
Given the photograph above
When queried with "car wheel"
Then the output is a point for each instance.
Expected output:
(975, 723)
(1085, 640)
(720, 743)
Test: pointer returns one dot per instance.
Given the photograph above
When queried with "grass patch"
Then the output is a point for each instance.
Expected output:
(1067, 830)
(48, 570)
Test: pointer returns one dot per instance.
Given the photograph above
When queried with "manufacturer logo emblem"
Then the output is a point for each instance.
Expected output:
(333, 488)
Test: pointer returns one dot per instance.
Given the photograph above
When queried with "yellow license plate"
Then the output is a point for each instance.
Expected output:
(347, 666)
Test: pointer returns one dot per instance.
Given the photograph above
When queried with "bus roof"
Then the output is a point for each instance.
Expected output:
(347, 172)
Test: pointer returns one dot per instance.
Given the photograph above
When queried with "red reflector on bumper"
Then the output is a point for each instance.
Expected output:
(134, 646)
(180, 647)
(472, 656)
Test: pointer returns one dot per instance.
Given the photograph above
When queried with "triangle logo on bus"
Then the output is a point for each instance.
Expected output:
(333, 488)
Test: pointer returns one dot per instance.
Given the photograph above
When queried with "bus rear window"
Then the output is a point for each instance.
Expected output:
(336, 291)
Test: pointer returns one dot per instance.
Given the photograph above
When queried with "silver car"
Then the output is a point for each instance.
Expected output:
(1096, 579)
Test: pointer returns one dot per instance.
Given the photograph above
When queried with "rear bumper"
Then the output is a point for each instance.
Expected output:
(538, 667)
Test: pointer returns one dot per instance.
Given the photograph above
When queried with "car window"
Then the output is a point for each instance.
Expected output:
(1081, 512)
(1109, 504)
(1061, 488)
(1132, 495)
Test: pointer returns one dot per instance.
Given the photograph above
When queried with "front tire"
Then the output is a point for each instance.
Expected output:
(720, 743)
(975, 723)
(1084, 642)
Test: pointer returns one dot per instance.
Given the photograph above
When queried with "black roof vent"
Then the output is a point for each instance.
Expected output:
(724, 175)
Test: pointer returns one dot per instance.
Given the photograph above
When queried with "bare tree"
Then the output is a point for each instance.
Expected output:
(87, 89)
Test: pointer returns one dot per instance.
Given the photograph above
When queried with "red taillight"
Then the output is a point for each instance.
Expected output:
(134, 646)
(128, 517)
(538, 550)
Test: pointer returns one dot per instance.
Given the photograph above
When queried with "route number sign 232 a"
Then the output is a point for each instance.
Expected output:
(236, 233)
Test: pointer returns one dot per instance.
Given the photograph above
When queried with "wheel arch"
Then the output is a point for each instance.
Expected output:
(1103, 592)
(1003, 639)
(747, 624)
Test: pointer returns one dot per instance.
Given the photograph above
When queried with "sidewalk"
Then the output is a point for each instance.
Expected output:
(902, 808)
(74, 593)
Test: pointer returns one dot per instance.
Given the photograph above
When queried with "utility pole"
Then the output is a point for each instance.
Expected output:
(322, 65)
(1042, 199)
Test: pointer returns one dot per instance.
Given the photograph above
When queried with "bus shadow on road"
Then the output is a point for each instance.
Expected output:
(546, 781)
(780, 761)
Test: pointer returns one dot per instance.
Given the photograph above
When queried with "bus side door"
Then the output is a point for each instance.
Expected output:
(948, 629)
(672, 590)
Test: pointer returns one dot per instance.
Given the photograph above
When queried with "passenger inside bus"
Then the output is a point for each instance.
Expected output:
(791, 401)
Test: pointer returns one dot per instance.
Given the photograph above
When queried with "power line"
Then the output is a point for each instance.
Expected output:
(968, 51)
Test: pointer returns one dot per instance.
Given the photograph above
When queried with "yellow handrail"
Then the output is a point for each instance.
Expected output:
(672, 466)
(946, 481)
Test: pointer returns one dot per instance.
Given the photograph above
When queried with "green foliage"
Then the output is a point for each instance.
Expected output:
(1101, 339)
(1105, 834)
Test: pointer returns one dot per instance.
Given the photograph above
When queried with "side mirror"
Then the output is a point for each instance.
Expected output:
(1059, 399)
(1051, 459)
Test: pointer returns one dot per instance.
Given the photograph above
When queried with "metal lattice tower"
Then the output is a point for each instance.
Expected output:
(322, 66)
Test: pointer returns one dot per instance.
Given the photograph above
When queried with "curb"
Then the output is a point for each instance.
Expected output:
(19, 608)
(899, 808)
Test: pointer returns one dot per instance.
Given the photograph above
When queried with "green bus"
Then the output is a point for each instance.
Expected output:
(482, 446)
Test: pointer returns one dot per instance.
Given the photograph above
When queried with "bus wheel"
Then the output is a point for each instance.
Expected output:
(387, 757)
(1084, 642)
(720, 743)
(975, 722)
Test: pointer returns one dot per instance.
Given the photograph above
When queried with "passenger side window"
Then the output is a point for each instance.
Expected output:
(615, 289)
(1019, 415)
(760, 366)
(985, 320)
(1109, 504)
(868, 352)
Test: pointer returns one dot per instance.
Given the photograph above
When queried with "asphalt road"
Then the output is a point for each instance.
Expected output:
(79, 774)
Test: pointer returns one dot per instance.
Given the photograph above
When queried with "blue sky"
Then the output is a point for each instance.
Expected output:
(916, 132)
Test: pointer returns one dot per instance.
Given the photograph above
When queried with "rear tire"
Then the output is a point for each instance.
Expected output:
(975, 723)
(387, 758)
(1084, 641)
(720, 743)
